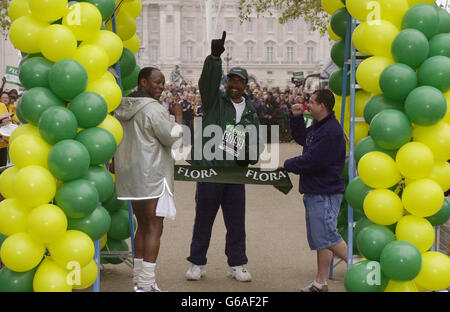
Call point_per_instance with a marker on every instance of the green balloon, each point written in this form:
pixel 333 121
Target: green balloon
pixel 444 20
pixel 34 72
pixel 120 225
pixel 77 198
pixel 362 277
pixel 123 205
pixel 106 7
pixel 100 144
pixel 102 180
pixel 400 261
pixel 372 240
pixel 410 47
pixel 435 72
pixel 422 17
pixel 68 160
pixel 131 81
pixel 355 194
pixel 11 281
pixel 89 108
pixel 125 93
pixel 425 106
pixel 390 129
pixel 112 203
pixel 344 172
pixel 367 145
pixel 336 80
pixel 26 57
pixel 440 45
pixel 19 112
pixel 441 216
pixel 96 225
pixel 361 224
pixel 397 81
pixel 343 215
pixel 68 78
pixel 338 53
pixel 115 245
pixel 339 22
pixel 343 231
pixel 57 123
pixel 35 101
pixel 379 103
pixel 127 63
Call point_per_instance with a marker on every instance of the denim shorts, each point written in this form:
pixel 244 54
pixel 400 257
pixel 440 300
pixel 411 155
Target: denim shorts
pixel 321 220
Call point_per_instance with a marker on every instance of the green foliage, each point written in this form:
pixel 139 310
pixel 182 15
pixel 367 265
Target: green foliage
pixel 309 10
pixel 4 19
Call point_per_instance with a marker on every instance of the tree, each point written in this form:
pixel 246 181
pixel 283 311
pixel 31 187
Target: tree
pixel 309 10
pixel 4 19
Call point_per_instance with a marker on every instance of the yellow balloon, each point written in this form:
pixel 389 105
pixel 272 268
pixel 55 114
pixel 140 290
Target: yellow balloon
pixel 84 19
pixel 113 126
pixel 330 6
pixel 383 207
pixel 88 276
pixel 29 150
pixel 21 253
pixel 338 107
pixel 94 59
pixel 440 173
pixel 133 44
pixel 361 98
pixel 358 39
pixel 423 197
pixel 416 230
pixel 414 160
pixel 436 137
pixel 35 186
pixel 14 215
pixel 23 129
pixel 369 72
pixel 414 2
pixel 110 42
pixel 109 90
pixel 435 271
pixel 46 223
pixel 6 182
pixel 103 241
pixel 48 10
pixel 50 277
pixel 358 9
pixel 107 75
pixel 378 170
pixel 18 8
pixel 25 33
pixel 394 11
pixel 378 37
pixel 126 25
pixel 394 286
pixel 134 7
pixel 420 288
pixel 57 43
pixel 447 114
pixel 72 246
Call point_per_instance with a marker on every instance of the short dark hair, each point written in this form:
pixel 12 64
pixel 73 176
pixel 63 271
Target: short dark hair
pixel 325 97
pixel 145 73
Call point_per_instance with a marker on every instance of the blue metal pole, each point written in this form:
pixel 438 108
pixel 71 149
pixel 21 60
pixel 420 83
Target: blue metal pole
pixel 97 260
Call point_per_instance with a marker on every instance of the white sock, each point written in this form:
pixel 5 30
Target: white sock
pixel 137 269
pixel 147 277
pixel 317 284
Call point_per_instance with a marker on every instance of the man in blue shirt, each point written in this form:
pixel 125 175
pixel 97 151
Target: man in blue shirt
pixel 320 168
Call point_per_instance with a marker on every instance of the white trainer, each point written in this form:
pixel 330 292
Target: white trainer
pixel 240 273
pixel 195 272
pixel 153 288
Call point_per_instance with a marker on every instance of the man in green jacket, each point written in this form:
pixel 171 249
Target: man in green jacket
pixel 238 145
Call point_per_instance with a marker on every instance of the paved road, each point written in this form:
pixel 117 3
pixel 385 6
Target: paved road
pixel 279 256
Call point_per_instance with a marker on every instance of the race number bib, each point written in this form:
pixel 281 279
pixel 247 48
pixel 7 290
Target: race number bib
pixel 233 140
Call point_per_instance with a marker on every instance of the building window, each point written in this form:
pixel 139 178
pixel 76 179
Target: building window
pixel 230 52
pixel 290 26
pixel 290 54
pixel 310 55
pixel 154 25
pixel 249 25
pixel 270 25
pixel 270 54
pixel 154 53
pixel 310 28
pixel 229 25
pixel 250 54
pixel 189 54
pixel 269 72
pixel 189 25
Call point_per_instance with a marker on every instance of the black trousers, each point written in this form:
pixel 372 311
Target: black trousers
pixel 3 156
pixel 209 197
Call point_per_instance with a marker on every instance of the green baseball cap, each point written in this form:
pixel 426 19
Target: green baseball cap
pixel 239 71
